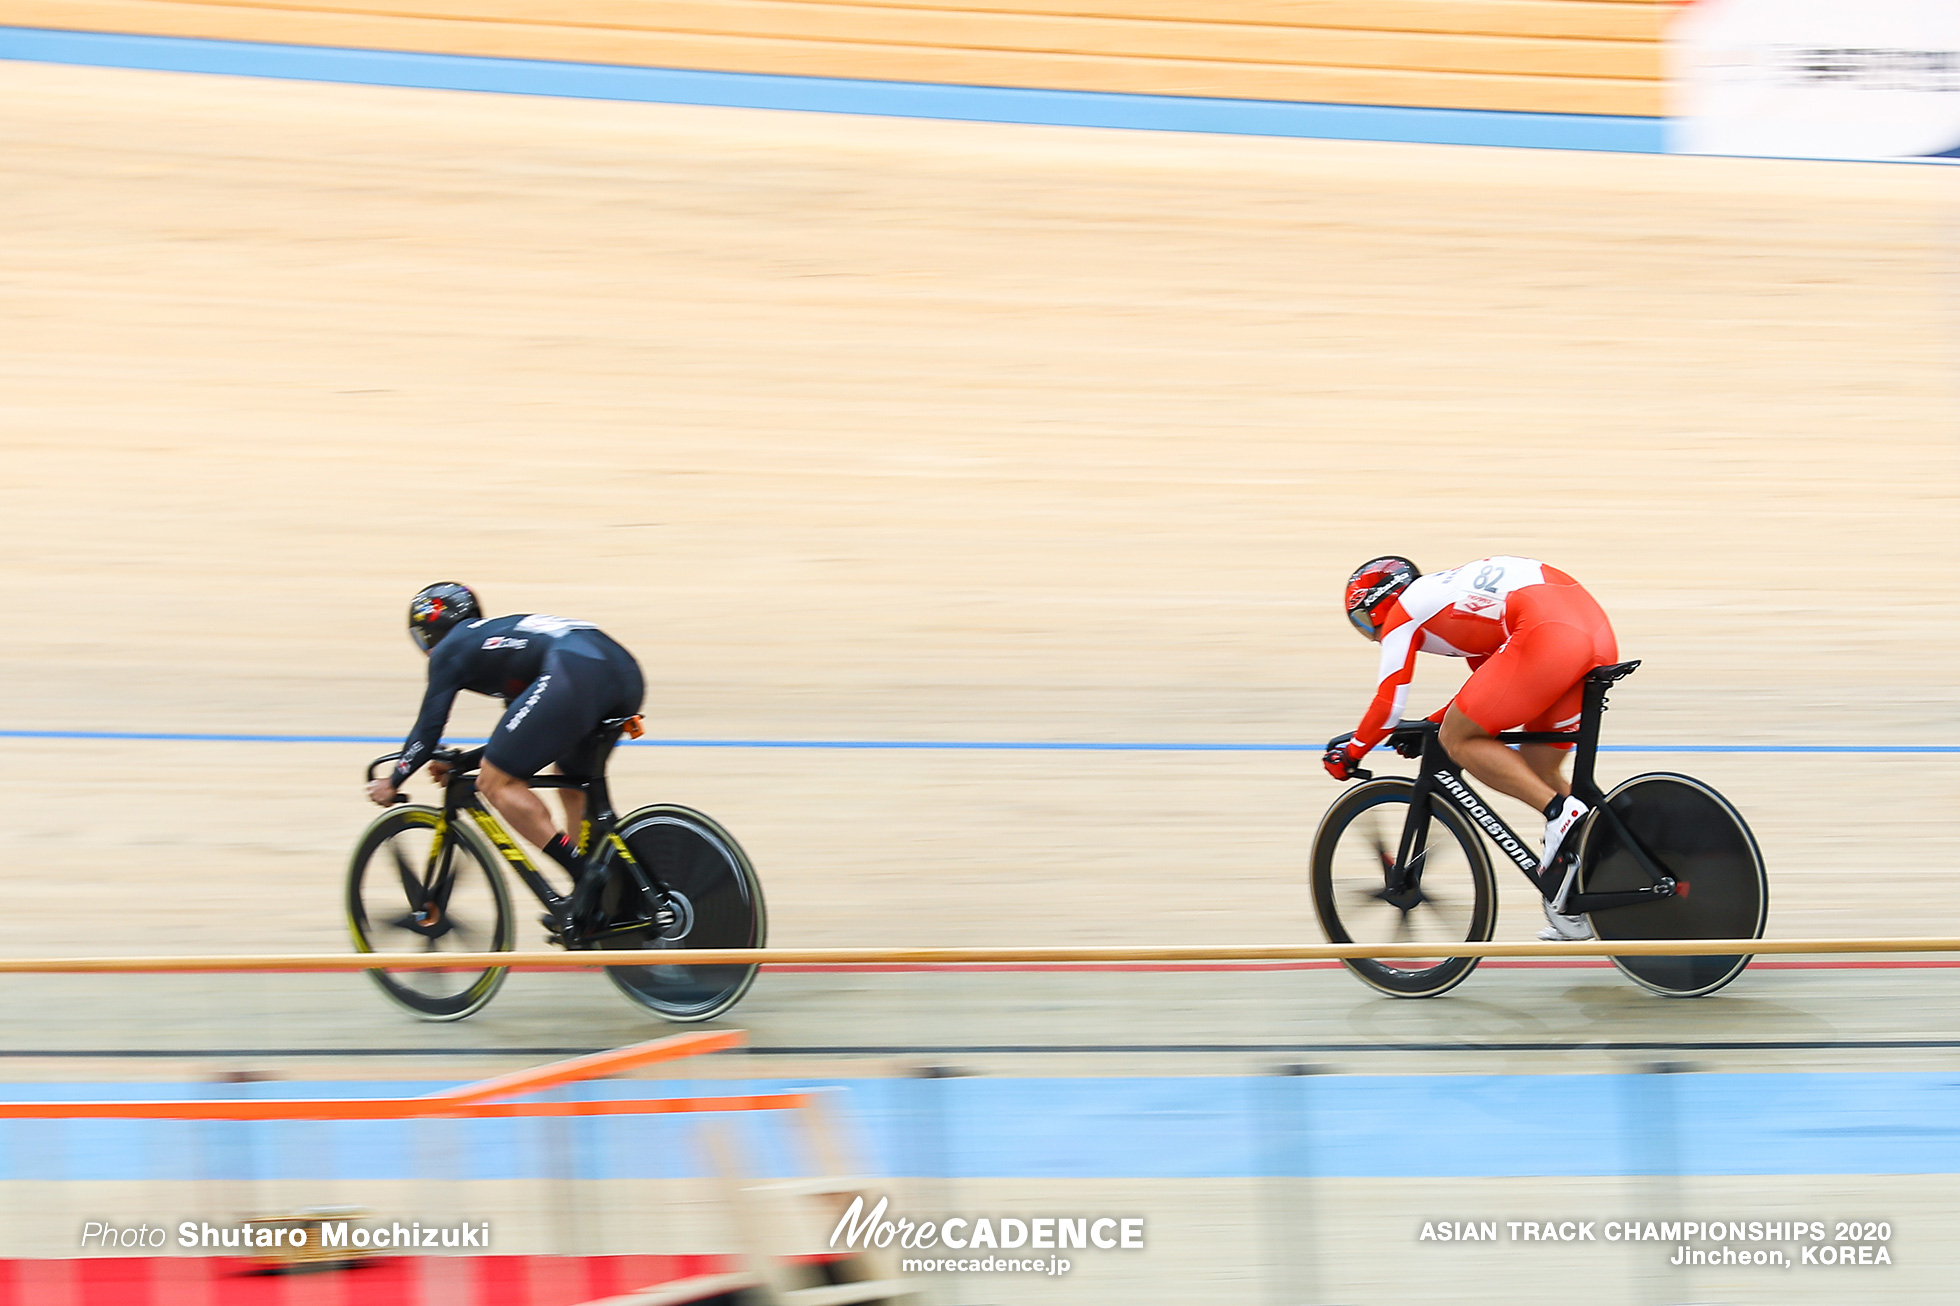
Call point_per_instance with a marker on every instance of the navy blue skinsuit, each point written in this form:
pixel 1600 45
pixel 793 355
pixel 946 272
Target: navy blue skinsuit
pixel 561 679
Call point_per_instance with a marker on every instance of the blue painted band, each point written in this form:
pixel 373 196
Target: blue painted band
pixel 1190 1127
pixel 1560 131
pixel 945 745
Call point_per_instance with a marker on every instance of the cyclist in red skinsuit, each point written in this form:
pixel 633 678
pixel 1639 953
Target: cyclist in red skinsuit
pixel 1530 632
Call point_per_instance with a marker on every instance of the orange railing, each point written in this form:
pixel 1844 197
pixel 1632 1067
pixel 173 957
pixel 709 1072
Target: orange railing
pixel 305 963
pixel 485 1098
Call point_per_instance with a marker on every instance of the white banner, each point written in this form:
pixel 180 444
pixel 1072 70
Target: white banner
pixel 1831 79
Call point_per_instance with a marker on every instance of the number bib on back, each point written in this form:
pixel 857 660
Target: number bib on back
pixel 1478 589
pixel 552 626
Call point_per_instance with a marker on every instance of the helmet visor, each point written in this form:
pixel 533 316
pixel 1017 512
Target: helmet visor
pixel 425 637
pixel 1364 622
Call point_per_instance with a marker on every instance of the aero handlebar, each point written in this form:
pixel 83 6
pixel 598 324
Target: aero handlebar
pixel 438 755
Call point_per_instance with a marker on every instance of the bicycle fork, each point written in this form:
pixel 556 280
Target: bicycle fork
pixel 1405 875
pixel 428 897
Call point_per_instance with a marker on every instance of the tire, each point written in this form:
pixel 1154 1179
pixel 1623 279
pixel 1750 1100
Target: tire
pixel 476 912
pixel 1456 892
pixel 1704 842
pixel 718 901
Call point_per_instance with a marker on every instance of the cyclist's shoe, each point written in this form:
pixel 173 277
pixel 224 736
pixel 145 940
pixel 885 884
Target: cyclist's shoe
pixel 1561 819
pixel 584 905
pixel 1564 929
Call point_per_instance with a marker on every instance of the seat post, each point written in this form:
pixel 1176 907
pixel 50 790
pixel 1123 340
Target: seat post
pixel 1592 707
pixel 603 740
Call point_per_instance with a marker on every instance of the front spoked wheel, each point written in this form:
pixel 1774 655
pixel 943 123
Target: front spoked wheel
pixel 713 898
pixel 412 887
pixel 1698 838
pixel 1449 895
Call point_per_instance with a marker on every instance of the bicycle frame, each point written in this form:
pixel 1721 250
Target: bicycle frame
pixel 1441 779
pixel 461 798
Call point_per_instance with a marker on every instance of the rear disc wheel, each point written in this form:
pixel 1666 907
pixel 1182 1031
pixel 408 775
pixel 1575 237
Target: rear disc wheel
pixel 716 902
pixel 1698 838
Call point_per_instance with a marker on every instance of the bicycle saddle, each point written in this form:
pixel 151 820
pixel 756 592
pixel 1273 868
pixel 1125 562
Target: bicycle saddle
pixel 1607 675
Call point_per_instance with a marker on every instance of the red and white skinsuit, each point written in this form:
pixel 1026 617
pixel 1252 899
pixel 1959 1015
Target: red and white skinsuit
pixel 1531 633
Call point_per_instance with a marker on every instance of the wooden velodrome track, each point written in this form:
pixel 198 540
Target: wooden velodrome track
pixel 872 429
pixel 881 430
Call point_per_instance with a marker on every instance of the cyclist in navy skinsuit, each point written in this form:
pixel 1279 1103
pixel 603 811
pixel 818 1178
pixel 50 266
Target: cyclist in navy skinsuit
pixel 560 678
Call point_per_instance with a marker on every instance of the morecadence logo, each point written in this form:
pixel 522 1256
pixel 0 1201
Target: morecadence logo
pixel 879 1228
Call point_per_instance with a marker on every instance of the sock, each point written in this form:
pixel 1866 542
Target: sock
pixel 1556 806
pixel 560 850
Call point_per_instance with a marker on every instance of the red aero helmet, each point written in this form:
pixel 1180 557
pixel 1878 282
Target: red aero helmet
pixel 1373 586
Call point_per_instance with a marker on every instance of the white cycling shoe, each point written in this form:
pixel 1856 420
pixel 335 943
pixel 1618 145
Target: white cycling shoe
pixel 1564 929
pixel 1558 827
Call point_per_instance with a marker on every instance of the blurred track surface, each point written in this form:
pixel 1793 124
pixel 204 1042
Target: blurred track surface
pixel 873 429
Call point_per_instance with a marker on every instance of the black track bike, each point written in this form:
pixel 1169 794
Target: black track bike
pixel 1663 856
pixel 428 879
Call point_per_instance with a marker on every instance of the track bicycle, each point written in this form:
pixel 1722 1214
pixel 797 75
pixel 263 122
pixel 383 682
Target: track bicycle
pixel 429 879
pixel 1662 856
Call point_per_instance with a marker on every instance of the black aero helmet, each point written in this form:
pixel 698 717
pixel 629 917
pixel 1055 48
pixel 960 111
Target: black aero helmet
pixel 436 609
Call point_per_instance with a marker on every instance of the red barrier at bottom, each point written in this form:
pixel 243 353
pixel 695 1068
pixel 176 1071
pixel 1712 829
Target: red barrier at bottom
pixel 382 1281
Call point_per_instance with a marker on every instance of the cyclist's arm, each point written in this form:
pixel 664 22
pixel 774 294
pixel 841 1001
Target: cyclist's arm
pixel 428 725
pixel 1398 667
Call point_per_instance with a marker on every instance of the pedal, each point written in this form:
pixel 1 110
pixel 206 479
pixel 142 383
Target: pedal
pixel 1568 860
pixel 582 906
pixel 554 930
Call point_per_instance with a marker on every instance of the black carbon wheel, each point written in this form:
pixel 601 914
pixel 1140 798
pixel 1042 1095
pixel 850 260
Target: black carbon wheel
pixel 1697 837
pixel 400 900
pixel 717 903
pixel 1451 897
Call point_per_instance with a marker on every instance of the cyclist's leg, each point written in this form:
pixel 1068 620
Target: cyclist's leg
pixel 612 680
pixel 1547 761
pixel 1523 681
pixel 1497 765
pixel 511 794
pixel 573 801
pixel 544 723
